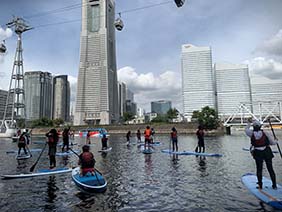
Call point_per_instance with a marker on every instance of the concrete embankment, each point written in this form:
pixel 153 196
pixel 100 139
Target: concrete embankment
pixel 182 128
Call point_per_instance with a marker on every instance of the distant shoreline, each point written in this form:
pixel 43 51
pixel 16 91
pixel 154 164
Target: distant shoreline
pixel 182 128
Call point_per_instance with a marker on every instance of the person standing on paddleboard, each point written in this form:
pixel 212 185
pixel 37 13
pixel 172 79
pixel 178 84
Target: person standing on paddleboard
pixel 65 139
pixel 261 150
pixel 174 140
pixel 86 161
pixel 104 141
pixel 128 135
pixel 147 135
pixel 22 142
pixel 88 137
pixel 201 143
pixel 138 135
pixel 53 138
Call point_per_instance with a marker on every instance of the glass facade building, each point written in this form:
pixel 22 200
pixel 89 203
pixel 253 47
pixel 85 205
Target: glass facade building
pixel 160 107
pixel 198 89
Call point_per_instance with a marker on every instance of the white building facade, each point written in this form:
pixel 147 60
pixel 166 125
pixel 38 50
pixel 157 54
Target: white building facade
pixel 97 89
pixel 198 89
pixel 233 88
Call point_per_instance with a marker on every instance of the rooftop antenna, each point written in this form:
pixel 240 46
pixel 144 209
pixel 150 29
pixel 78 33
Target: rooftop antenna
pixel 16 98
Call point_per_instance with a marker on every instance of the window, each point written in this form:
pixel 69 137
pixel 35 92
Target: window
pixel 94 18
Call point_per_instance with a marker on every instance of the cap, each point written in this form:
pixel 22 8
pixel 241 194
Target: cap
pixel 256 123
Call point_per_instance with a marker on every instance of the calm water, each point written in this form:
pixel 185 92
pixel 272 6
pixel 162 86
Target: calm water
pixel 138 182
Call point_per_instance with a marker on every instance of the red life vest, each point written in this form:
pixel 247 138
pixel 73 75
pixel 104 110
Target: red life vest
pixel 147 133
pixel 87 160
pixel 22 139
pixel 174 134
pixel 263 141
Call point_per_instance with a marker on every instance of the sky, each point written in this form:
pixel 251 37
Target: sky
pixel 149 46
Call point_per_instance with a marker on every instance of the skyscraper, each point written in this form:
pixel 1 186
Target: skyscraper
pixel 160 107
pixel 61 98
pixel 97 89
pixel 38 94
pixel 198 88
pixel 233 88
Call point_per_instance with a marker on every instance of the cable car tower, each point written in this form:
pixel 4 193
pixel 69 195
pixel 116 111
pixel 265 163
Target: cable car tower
pixel 15 98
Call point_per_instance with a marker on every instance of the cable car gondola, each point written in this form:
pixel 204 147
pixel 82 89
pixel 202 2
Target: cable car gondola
pixel 2 48
pixel 179 3
pixel 119 23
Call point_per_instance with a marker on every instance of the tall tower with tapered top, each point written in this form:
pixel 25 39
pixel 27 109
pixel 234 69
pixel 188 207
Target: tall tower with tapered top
pixel 97 90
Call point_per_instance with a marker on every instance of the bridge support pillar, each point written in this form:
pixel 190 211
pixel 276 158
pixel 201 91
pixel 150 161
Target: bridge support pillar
pixel 228 130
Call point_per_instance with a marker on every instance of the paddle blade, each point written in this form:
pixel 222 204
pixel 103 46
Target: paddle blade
pixel 32 168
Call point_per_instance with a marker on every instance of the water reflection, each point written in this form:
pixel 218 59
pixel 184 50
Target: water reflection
pixel 51 189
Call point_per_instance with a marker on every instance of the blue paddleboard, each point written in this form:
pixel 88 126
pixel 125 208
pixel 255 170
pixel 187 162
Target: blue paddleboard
pixel 192 153
pixel 147 151
pixel 267 194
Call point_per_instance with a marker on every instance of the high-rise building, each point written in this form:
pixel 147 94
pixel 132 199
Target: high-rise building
pixel 129 95
pixel 3 101
pixel 160 107
pixel 198 89
pixel 121 98
pixel 233 88
pixel 97 89
pixel 61 98
pixel 266 98
pixel 38 94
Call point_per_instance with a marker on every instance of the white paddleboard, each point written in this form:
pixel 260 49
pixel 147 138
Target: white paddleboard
pixel 23 156
pixel 192 153
pixel 267 194
pixel 105 150
pixel 248 149
pixel 38 173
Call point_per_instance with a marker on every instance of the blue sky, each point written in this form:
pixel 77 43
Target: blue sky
pixel 149 47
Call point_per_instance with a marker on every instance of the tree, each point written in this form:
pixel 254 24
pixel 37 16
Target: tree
pixel 160 118
pixel 43 122
pixel 58 121
pixel 127 116
pixel 172 114
pixel 207 117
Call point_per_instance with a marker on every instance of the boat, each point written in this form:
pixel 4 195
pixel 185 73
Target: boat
pixel 89 183
pixel 41 172
pixel 94 132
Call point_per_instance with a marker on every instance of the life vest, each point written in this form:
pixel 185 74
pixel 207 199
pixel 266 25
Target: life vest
pixel 104 140
pixel 147 133
pixel 174 134
pixel 51 139
pixel 200 133
pixel 87 160
pixel 22 139
pixel 263 141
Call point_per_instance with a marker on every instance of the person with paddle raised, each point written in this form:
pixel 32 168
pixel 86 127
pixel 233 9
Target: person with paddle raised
pixel 261 151
pixel 86 161
pixel 53 138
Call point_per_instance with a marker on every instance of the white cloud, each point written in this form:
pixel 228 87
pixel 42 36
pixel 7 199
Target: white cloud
pixel 273 45
pixel 147 87
pixel 4 34
pixel 266 69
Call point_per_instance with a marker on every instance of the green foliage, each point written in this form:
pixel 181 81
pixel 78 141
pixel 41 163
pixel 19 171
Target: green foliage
pixel 58 122
pixel 207 117
pixel 160 118
pixel 43 122
pixel 172 114
pixel 21 123
pixel 127 116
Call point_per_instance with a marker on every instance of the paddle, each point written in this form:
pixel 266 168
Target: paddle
pixel 28 150
pixel 33 166
pixel 94 170
pixel 275 137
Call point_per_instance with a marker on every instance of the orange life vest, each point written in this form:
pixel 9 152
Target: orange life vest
pixel 147 133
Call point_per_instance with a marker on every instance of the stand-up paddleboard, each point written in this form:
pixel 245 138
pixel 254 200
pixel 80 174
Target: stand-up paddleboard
pixel 16 151
pixel 192 153
pixel 39 142
pixel 66 153
pixel 147 151
pixel 267 194
pixel 38 173
pixel 105 150
pixel 90 182
pixel 70 144
pixel 248 149
pixel 156 143
pixel 23 156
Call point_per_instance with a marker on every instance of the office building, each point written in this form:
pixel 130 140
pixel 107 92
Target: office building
pixel 121 98
pixel 160 107
pixel 267 97
pixel 233 88
pixel 3 100
pixel 38 94
pixel 61 98
pixel 97 89
pixel 198 89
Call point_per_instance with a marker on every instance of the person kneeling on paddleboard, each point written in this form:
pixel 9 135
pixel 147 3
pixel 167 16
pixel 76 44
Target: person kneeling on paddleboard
pixel 261 151
pixel 86 161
